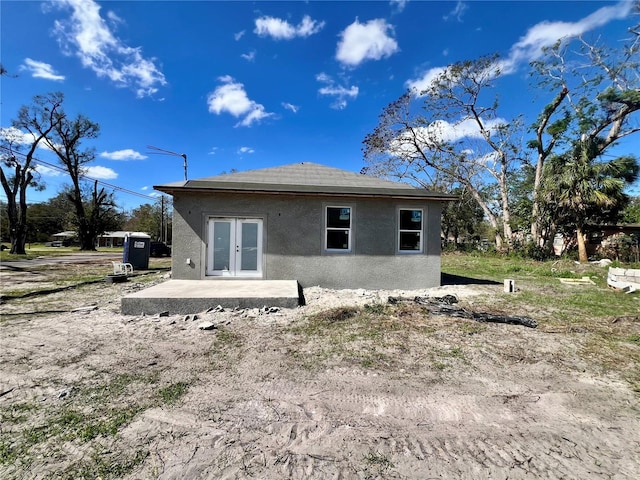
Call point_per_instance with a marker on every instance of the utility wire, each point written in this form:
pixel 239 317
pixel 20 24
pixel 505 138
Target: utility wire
pixel 84 176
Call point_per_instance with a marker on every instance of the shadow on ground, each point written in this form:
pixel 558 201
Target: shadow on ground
pixel 449 279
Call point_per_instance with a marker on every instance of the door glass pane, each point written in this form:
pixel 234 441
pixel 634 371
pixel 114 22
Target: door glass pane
pixel 249 246
pixel 221 245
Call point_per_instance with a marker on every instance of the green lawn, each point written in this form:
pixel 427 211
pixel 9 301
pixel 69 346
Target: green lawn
pixel 39 249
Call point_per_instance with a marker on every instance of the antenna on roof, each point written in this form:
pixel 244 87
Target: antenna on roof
pixel 160 151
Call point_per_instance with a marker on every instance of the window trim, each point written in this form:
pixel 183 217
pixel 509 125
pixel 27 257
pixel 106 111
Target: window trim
pixel 421 231
pixel 348 230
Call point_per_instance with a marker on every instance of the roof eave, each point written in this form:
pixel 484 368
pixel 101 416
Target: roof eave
pixel 314 191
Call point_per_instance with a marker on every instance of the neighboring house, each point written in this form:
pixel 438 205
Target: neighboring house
pixel 604 240
pixel 611 241
pixel 116 239
pixel 307 222
pixel 65 239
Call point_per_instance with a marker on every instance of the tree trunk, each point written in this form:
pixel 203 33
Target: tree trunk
pixel 493 221
pixel 543 153
pixel 582 246
pixel 17 214
pixel 506 215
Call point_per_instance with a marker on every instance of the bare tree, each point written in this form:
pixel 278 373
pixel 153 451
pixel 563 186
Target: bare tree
pixel 65 140
pixel 456 134
pixel 38 120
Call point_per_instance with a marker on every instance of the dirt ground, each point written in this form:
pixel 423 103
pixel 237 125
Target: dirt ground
pixel 387 393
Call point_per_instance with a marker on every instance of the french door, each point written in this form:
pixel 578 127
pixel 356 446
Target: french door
pixel 234 247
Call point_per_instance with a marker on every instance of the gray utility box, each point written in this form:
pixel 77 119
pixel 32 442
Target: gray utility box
pixel 136 251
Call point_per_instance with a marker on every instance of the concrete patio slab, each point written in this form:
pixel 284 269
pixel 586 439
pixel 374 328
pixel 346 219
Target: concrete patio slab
pixel 193 296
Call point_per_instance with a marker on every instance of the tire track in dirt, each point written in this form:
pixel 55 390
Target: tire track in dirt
pixel 281 433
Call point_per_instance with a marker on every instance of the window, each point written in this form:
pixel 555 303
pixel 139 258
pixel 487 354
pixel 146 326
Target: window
pixel 338 232
pixel 410 231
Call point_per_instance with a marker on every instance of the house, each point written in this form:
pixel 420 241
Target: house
pixel 616 242
pixel 116 239
pixel 63 239
pixel 306 222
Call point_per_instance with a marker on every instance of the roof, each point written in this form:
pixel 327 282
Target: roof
pixel 122 234
pixel 304 178
pixel 66 234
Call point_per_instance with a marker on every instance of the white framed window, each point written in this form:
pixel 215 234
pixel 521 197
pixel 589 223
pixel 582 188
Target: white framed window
pixel 338 221
pixel 410 230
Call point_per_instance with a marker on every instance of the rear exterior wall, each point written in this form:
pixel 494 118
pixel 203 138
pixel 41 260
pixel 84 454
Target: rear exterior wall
pixel 293 240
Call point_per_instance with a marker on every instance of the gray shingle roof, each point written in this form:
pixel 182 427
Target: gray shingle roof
pixel 302 178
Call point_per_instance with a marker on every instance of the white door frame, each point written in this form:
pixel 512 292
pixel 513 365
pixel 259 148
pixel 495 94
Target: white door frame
pixel 233 248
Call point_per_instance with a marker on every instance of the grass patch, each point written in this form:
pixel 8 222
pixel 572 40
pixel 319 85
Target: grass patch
pixel 371 337
pixel 104 464
pixel 377 458
pixel 171 394
pixel 87 416
pixel 377 465
pixel 17 413
pixel 609 319
pixel 635 339
pixel 226 350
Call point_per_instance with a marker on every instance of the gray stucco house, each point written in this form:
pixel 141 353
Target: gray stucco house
pixel 306 222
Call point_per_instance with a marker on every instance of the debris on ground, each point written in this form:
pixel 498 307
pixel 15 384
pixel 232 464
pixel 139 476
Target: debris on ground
pixel 577 281
pixel 444 306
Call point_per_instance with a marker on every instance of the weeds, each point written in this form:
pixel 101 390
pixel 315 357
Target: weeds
pixel 172 393
pixel 378 462
pixel 377 458
pixel 104 464
pixel 84 419
pixel 371 336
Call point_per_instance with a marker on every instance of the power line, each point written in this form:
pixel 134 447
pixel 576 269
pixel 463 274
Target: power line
pixel 84 176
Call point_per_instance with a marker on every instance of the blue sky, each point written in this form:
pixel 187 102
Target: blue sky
pixel 244 85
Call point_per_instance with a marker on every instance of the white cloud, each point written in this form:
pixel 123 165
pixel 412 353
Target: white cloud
pixel 126 154
pixel 16 136
pixel 231 97
pixel 398 5
pixel 290 106
pixel 366 41
pixel 249 57
pixel 541 35
pixel 88 36
pixel 468 128
pixel 279 29
pixel 243 150
pixel 239 35
pixel 100 173
pixel 457 12
pixel 341 93
pixel 145 188
pixel 41 70
pixel 420 84
pixel 47 171
pixel 545 34
pixel 442 131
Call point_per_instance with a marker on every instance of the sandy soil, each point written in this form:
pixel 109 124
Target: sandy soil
pixel 265 395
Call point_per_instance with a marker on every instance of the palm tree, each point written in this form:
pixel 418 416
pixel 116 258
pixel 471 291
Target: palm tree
pixel 584 187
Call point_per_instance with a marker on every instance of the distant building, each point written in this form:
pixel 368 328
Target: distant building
pixel 116 239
